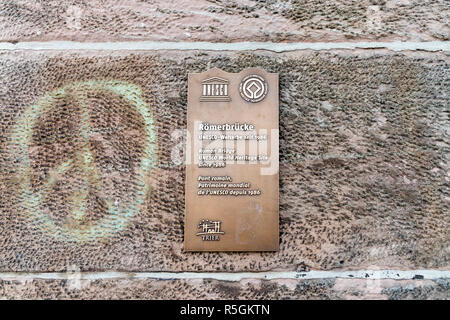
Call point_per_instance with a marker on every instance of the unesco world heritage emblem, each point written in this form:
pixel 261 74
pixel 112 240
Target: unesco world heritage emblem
pixel 253 88
pixel 210 230
pixel 215 89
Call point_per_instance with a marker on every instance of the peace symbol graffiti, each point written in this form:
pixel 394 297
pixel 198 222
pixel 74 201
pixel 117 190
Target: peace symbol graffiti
pixel 115 216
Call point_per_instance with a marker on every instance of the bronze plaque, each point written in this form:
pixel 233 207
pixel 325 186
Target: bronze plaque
pixel 232 161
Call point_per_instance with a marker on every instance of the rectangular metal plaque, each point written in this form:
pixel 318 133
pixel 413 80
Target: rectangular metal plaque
pixel 232 161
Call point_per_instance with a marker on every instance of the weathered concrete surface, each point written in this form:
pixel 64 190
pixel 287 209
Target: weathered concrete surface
pixel 363 151
pixel 219 20
pixel 214 289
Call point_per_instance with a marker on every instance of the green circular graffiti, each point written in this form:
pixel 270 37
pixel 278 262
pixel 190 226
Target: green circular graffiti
pixel 117 216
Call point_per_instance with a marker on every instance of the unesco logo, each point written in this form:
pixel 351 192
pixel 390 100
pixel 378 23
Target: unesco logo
pixel 253 88
pixel 215 89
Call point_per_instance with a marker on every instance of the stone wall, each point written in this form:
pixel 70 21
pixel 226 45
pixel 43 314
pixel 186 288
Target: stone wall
pixel 364 153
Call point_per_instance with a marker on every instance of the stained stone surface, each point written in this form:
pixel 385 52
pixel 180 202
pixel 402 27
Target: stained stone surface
pixel 214 289
pixel 363 174
pixel 224 21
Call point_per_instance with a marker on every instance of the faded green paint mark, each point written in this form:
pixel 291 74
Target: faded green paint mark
pixel 75 227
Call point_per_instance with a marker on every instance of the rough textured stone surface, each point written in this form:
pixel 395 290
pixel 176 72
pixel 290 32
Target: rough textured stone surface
pixel 363 151
pixel 220 20
pixel 214 289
